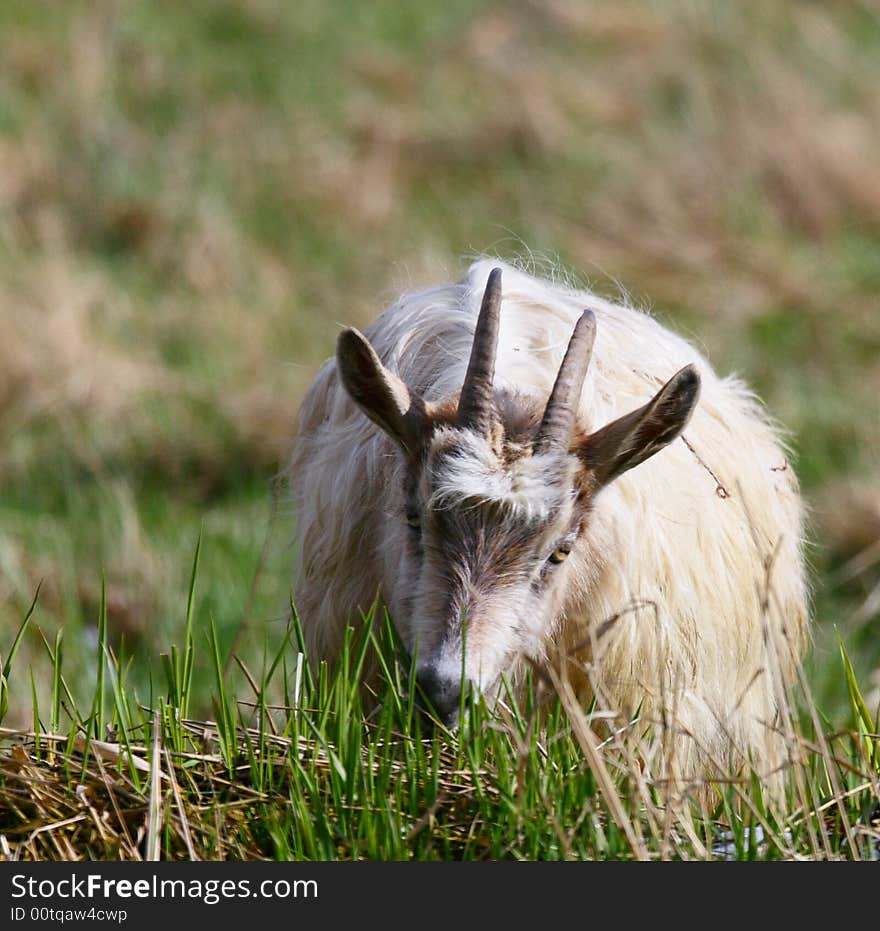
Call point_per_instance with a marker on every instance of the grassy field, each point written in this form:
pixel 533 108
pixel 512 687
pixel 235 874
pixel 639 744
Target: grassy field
pixel 194 197
pixel 324 776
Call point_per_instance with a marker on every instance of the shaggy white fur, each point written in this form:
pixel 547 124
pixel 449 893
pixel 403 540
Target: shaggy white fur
pixel 527 490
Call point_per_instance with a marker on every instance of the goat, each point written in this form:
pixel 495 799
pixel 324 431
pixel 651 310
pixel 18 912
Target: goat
pixel 465 459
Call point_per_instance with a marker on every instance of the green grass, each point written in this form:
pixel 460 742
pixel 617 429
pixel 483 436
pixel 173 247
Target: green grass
pixel 331 772
pixel 194 197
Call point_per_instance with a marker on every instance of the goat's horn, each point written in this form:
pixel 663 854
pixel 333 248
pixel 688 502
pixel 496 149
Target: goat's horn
pixel 559 416
pixel 476 406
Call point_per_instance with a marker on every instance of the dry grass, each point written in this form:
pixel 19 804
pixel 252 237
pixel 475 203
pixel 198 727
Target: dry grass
pixel 715 161
pixel 64 797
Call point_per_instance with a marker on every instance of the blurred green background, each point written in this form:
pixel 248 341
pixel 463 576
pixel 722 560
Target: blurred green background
pixel 193 198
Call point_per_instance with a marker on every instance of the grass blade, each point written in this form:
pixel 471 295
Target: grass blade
pixel 6 667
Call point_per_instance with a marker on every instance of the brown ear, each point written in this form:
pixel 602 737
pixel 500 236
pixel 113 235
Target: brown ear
pixel 379 393
pixel 635 437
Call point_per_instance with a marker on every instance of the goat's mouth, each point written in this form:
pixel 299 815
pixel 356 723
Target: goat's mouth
pixel 441 697
pixel 443 689
pixel 445 699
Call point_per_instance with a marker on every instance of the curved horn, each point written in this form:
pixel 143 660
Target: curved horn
pixel 476 406
pixel 559 416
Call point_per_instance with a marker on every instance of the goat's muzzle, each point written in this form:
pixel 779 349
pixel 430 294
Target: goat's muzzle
pixel 443 694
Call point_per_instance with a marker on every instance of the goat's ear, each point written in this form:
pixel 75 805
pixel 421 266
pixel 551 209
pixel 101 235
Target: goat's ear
pixel 379 393
pixel 635 437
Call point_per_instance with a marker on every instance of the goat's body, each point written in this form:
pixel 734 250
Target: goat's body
pixel 698 550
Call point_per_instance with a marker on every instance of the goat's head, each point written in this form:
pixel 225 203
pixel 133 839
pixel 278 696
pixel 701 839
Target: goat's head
pixel 497 495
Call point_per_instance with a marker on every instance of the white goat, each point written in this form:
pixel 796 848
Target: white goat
pixel 484 513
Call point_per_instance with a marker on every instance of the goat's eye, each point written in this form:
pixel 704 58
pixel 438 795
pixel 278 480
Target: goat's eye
pixel 413 520
pixel 560 553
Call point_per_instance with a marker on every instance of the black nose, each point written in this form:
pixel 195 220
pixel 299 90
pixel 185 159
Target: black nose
pixel 443 693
